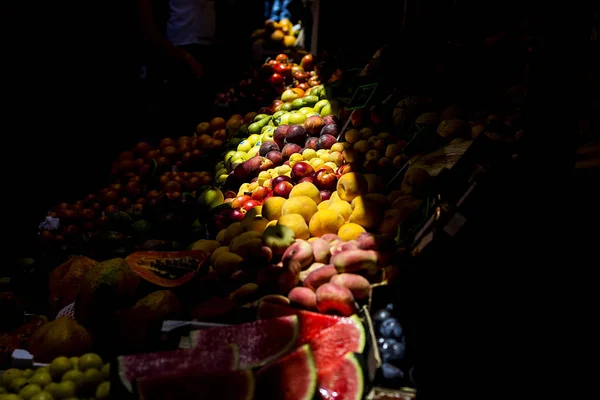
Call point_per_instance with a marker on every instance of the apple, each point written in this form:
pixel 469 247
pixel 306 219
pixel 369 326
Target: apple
pixel 301 77
pixel 280 134
pixel 311 143
pixel 326 141
pixel 282 58
pixel 275 157
pixel 236 215
pixel 344 169
pixel 265 164
pixel 313 125
pixel 308 179
pixel 326 167
pixel 268 184
pixel 285 70
pixel 331 119
pixel 267 135
pixel 336 157
pixel 290 149
pixel 275 104
pixel 266 147
pixel 304 86
pixel 308 62
pixel 283 189
pixel 278 238
pixel 325 179
pixel 330 129
pixel 325 194
pixel 251 204
pixel 301 170
pixel 240 200
pixel 296 134
pixel 276 80
pixel 265 110
pixel 266 70
pixel 260 193
pixel 281 178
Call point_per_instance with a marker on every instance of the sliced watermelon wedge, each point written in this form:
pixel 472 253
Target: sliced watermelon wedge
pixel 311 323
pixel 292 377
pixel 333 343
pixel 233 385
pixel 259 342
pixel 216 359
pixel 344 381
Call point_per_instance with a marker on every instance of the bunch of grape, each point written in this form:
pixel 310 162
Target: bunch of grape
pixel 391 342
pixel 82 377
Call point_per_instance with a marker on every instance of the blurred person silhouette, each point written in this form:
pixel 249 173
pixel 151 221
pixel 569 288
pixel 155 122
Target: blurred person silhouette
pixel 179 44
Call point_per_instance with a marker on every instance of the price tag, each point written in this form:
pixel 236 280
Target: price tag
pixel 362 95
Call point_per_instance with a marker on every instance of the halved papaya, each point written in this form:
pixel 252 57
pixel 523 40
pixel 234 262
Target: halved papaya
pixel 168 268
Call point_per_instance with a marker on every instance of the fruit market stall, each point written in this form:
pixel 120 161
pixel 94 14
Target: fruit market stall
pixel 258 257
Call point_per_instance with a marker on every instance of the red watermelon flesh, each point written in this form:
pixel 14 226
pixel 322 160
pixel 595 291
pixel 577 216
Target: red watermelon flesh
pixel 216 359
pixel 292 377
pixel 344 381
pixel 260 342
pixel 334 342
pixel 233 385
pixel 311 323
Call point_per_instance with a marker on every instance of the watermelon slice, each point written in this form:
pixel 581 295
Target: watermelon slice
pixel 344 381
pixel 333 343
pixel 233 385
pixel 217 359
pixel 260 342
pixel 311 323
pixel 293 377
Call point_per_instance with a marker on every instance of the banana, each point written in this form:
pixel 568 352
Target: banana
pixel 355 260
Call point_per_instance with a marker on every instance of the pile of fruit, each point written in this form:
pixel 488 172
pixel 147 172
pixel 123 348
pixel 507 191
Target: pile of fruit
pixel 276 35
pixel 64 378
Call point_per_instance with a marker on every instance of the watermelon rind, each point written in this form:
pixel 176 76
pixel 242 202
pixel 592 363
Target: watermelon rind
pixel 221 336
pixel 191 354
pixel 349 370
pixel 300 358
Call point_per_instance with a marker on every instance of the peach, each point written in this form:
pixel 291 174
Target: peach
pixel 313 267
pixel 351 136
pixel 302 205
pixel 375 183
pixel 342 207
pixel 325 221
pixel 355 260
pixel 306 189
pixel 296 223
pixel 362 146
pixel 320 276
pixel 324 205
pixel 288 278
pixel 300 251
pixel 320 250
pixel 366 212
pixel 334 196
pixel 350 231
pixel 335 299
pixel 339 246
pixel 330 237
pixel 303 297
pixel 351 185
pixel 358 285
pixel 272 208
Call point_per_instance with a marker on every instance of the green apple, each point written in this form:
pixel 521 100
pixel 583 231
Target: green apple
pixel 278 238
pixel 267 136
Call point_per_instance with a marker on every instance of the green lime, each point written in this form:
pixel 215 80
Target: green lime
pixel 90 360
pixel 103 390
pixel 41 379
pixel 43 395
pixel 59 366
pixel 64 390
pixel 75 361
pixel 10 396
pixel 106 371
pixel 27 373
pixel 74 376
pixel 92 377
pixel 17 384
pixel 28 391
pixel 9 375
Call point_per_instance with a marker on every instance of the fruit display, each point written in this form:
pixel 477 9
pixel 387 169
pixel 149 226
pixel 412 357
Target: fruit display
pixel 277 35
pixel 86 376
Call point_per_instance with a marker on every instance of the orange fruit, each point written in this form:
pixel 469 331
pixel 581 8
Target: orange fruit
pixel 277 35
pixel 289 41
pixel 217 123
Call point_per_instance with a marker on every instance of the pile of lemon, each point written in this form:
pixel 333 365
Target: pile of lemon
pixel 64 378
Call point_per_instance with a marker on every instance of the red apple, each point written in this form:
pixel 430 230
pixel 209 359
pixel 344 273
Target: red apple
pixel 326 141
pixel 275 157
pixel 240 200
pixel 313 125
pixel 311 143
pixel 283 189
pixel 267 147
pixel 308 179
pixel 325 179
pixel 307 62
pixel 237 215
pixel 276 80
pixel 301 170
pixel 290 149
pixel 280 134
pixel 344 169
pixel 260 193
pixel 280 178
pixel 274 105
pixel 251 204
pixel 326 167
pixel 325 194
